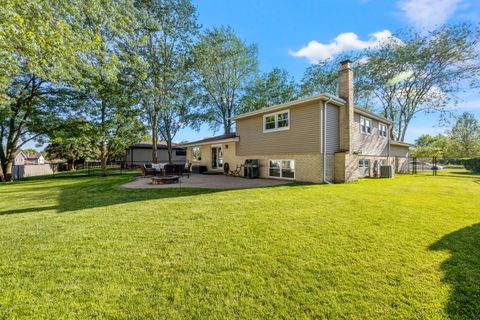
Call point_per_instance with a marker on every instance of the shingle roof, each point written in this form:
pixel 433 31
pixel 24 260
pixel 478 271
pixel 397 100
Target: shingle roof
pixel 213 139
pixel 31 156
pixel 148 145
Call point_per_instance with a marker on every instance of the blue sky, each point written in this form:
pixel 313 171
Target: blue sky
pixel 280 28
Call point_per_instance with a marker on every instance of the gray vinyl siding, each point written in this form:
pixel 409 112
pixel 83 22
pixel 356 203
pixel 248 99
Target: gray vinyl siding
pixel 333 122
pixel 368 144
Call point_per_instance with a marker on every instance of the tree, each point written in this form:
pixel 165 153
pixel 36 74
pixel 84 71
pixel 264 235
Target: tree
pixel 224 64
pixel 425 140
pixel 429 146
pixel 30 151
pixel 416 73
pixel 74 142
pixel 268 89
pixel 162 49
pixel 323 78
pixel 465 135
pixel 40 48
pixel 107 97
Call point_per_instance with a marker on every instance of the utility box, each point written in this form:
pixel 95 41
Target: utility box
pixel 386 171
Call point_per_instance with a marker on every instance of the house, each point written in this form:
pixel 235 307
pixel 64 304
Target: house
pixel 141 153
pixel 22 158
pixel 322 138
pixel 30 165
pixel 19 158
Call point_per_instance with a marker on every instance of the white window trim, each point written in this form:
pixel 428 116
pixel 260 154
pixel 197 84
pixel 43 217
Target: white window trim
pixel 380 130
pixel 276 121
pixel 363 162
pixel 371 125
pixel 282 178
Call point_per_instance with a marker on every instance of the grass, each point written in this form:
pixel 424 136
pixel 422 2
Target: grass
pixel 81 247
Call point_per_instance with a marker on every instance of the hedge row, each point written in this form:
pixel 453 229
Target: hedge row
pixel 472 164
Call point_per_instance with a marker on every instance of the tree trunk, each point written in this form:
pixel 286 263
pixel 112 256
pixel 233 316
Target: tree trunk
pixel 154 140
pixel 3 162
pixel 227 126
pixel 103 159
pixel 7 169
pixel 103 146
pixel 169 150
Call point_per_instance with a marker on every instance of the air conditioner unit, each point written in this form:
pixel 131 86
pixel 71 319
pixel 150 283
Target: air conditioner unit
pixel 386 171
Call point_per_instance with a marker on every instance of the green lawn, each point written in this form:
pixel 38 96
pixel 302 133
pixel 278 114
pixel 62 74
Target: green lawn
pixel 81 247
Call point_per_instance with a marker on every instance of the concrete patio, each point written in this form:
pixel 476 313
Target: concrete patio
pixel 206 181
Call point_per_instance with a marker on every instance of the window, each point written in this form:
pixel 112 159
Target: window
pixel 276 121
pixel 196 153
pixel 281 169
pixel 270 123
pixel 382 130
pixel 364 163
pixel 180 152
pixel 365 125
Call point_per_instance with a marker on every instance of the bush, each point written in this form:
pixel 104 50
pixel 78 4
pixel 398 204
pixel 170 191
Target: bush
pixel 472 164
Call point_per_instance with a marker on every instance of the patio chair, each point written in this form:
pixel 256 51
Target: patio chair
pixel 174 169
pixel 237 171
pixel 148 170
pixel 234 173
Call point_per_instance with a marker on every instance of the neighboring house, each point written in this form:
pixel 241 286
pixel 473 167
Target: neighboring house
pixel 19 159
pixel 141 153
pixel 323 138
pixel 22 158
pixel 35 159
pixel 29 165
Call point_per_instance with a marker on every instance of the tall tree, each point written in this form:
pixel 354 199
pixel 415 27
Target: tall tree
pixel 44 43
pixel 465 135
pixel 162 49
pixel 268 89
pixel 224 64
pixel 108 100
pixel 415 73
pixel 41 45
pixel 323 78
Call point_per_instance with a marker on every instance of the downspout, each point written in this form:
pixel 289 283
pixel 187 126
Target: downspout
pixel 324 142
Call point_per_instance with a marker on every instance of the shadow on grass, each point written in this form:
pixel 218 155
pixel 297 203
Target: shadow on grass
pixel 462 271
pixel 79 192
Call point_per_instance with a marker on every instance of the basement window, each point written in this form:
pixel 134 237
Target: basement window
pixel 276 121
pixel 365 125
pixel 364 163
pixel 284 169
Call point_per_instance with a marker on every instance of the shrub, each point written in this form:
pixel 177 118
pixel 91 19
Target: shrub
pixel 472 164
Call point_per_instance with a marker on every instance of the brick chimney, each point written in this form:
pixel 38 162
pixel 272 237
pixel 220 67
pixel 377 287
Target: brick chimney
pixel 345 91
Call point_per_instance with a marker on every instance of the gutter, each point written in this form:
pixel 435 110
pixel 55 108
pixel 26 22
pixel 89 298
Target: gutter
pixel 324 140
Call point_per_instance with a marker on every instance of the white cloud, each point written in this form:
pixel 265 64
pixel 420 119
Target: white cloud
pixel 427 14
pixel 316 51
